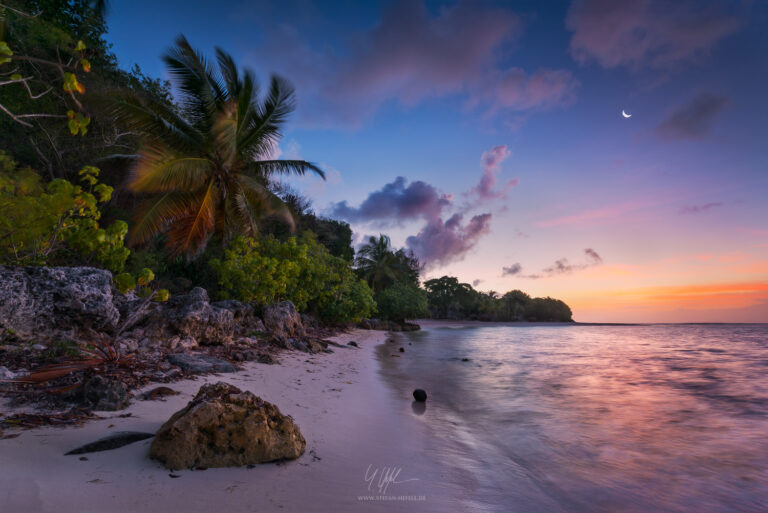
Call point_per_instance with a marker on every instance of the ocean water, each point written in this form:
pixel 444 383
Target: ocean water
pixel 569 418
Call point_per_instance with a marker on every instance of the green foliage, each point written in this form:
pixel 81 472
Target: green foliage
pixel 124 282
pixel 379 265
pixel 335 235
pixel 449 299
pixel 59 51
pixel 547 309
pixel 56 222
pixel 301 270
pixel 402 301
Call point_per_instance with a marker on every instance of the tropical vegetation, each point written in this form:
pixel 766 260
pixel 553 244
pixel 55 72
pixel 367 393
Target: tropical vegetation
pixel 101 155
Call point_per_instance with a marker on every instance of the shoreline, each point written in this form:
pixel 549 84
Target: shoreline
pixel 352 421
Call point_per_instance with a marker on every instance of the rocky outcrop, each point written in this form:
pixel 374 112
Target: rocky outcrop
pixel 382 325
pixel 224 427
pixel 200 363
pixel 282 320
pixel 182 322
pixel 55 303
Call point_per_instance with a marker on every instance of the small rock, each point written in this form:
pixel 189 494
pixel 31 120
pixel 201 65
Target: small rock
pixel 83 458
pixel 157 393
pixel 402 350
pixel 420 395
pixel 352 343
pixel 39 347
pixel 267 359
pixel 200 363
pixel 465 359
pixel 6 374
pixel 106 394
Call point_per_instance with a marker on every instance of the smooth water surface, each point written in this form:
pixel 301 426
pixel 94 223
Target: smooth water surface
pixel 569 418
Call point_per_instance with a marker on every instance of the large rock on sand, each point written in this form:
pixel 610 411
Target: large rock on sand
pixel 283 320
pixel 55 303
pixel 225 427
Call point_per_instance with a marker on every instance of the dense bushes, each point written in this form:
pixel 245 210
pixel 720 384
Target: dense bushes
pixel 301 270
pixel 402 301
pixel 57 222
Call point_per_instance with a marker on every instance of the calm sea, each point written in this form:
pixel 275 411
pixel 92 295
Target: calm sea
pixel 654 418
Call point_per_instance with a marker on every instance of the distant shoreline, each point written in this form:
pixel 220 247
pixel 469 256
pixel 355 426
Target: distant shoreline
pixel 450 323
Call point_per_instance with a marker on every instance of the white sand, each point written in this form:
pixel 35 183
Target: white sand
pixel 350 418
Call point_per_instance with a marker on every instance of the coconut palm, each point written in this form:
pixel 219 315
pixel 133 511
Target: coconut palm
pixel 382 267
pixel 205 165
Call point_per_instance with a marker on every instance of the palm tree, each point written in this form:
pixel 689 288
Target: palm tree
pixel 382 267
pixel 206 166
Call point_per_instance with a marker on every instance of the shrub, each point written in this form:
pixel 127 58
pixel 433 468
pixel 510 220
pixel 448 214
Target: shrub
pixel 402 301
pixel 57 222
pixel 266 271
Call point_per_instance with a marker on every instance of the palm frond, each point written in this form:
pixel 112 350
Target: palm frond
pixel 189 232
pixel 298 167
pixel 154 215
pixel 263 133
pixel 157 170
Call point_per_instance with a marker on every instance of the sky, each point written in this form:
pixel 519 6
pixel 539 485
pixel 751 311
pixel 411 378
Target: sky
pixel 489 139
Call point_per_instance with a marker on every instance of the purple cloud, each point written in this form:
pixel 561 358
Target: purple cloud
pixel 697 209
pixel 412 55
pixel 647 33
pixel 694 119
pixel 561 266
pixel 396 201
pixel 486 188
pixel 475 283
pixel 440 243
pixel 511 270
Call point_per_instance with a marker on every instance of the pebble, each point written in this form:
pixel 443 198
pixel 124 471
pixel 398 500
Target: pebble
pixel 420 395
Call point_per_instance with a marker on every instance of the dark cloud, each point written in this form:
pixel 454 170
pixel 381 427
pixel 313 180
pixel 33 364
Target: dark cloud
pixel 412 55
pixel 593 256
pixel 511 270
pixel 563 266
pixel 475 283
pixel 647 33
pixel 396 201
pixel 694 119
pixel 440 243
pixel 697 209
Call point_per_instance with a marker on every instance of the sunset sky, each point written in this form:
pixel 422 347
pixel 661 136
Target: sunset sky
pixel 488 137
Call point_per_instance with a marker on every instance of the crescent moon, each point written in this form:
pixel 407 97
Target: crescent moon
pixel 625 114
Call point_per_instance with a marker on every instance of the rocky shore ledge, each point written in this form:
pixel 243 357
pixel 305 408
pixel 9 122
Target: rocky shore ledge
pixel 72 345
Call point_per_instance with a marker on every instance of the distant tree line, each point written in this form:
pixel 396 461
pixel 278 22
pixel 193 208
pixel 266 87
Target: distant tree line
pixel 447 298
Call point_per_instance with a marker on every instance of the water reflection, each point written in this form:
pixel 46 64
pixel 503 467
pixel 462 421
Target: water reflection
pixel 600 419
pixel 419 407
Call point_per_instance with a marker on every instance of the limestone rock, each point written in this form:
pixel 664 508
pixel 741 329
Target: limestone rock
pixel 106 394
pixel 283 320
pixel 183 321
pixel 200 363
pixel 224 427
pixel 55 303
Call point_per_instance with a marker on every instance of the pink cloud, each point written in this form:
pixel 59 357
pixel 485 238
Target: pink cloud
pixel 440 243
pixel 647 33
pixel 486 187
